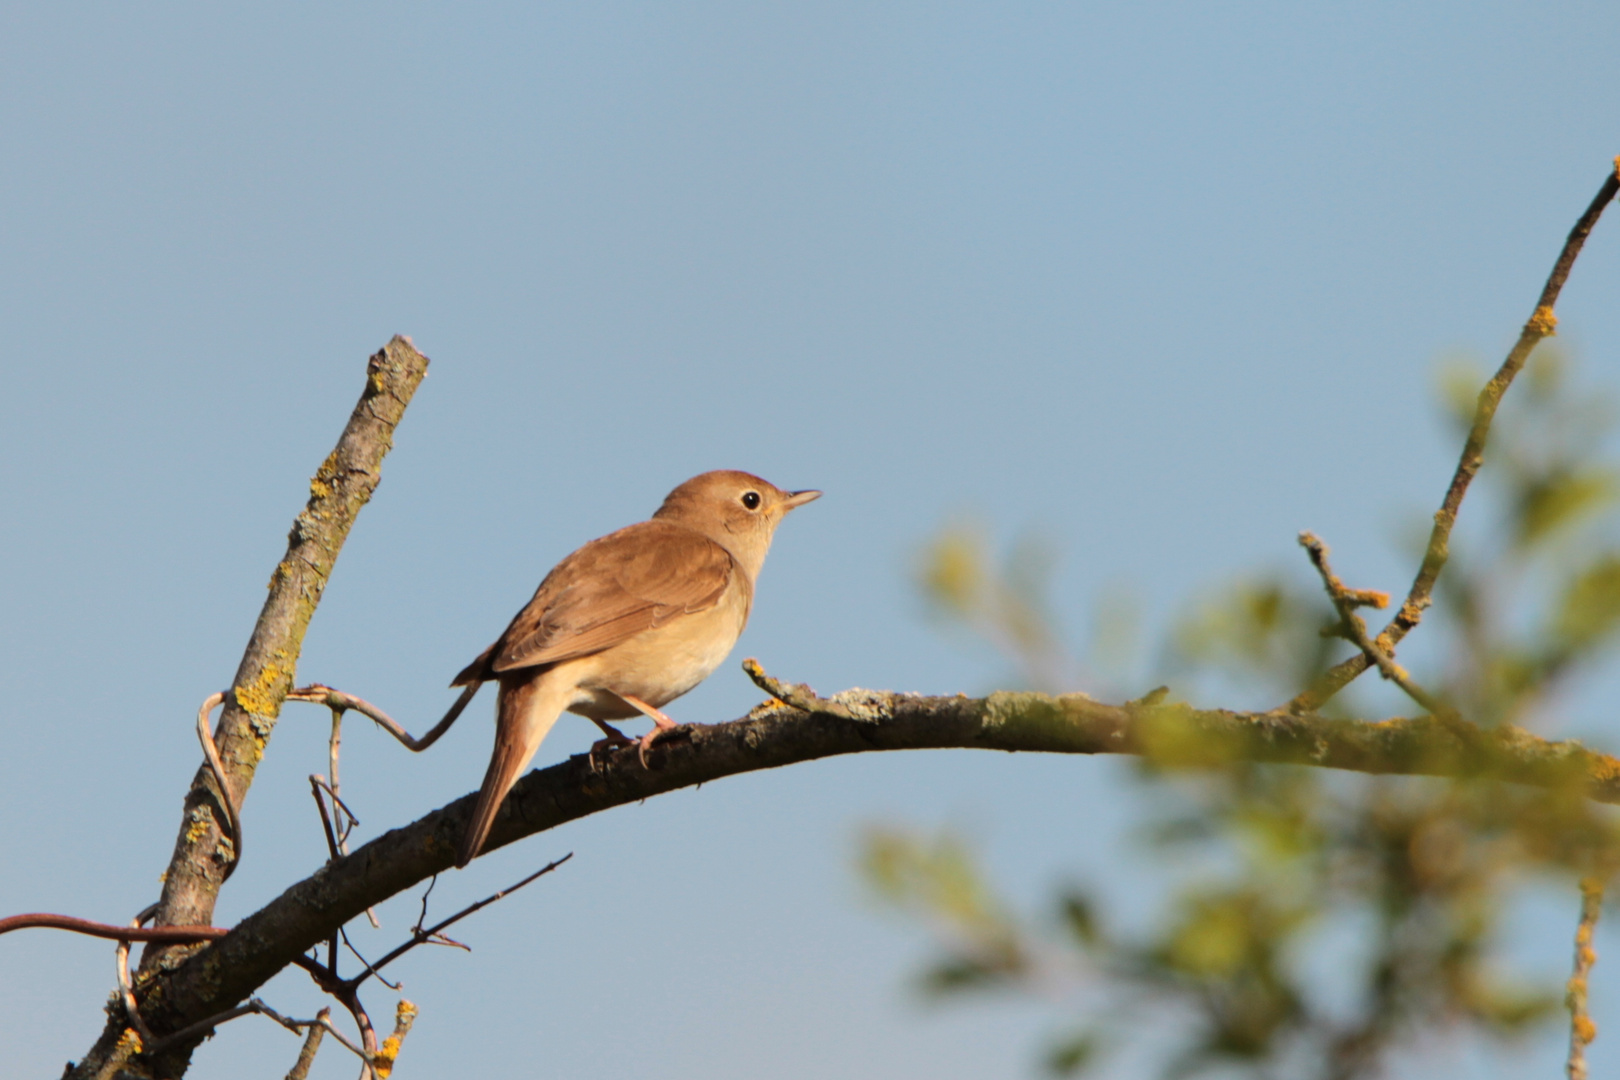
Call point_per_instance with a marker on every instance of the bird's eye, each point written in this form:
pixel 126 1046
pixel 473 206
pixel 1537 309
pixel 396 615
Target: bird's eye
pixel 750 499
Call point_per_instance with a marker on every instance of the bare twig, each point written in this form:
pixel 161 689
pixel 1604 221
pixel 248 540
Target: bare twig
pixel 126 989
pixel 311 1047
pixel 338 701
pixel 316 786
pixel 1581 1028
pixel 1345 601
pixel 420 936
pixel 168 935
pixel 349 997
pixel 337 831
pixel 227 802
pixel 333 745
pixel 1541 324
pixel 347 944
pixel 252 1007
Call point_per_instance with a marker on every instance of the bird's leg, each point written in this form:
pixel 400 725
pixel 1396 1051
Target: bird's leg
pixel 615 737
pixel 663 723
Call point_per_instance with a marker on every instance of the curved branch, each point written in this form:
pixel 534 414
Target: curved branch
pixel 172 935
pixel 227 971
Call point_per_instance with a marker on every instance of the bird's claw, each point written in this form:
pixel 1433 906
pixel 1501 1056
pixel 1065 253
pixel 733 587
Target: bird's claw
pixel 602 744
pixel 644 743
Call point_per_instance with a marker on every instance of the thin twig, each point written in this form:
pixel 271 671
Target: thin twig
pixel 348 821
pixel 338 701
pixel 254 1006
pixel 1345 601
pixel 168 935
pixel 420 936
pixel 1541 324
pixel 233 819
pixel 347 944
pixel 348 826
pixel 311 1047
pixel 126 987
pixel 316 784
pixel 1581 1029
pixel 333 745
pixel 337 833
pixel 349 997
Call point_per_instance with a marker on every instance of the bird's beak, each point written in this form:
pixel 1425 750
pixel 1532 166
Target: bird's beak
pixel 799 498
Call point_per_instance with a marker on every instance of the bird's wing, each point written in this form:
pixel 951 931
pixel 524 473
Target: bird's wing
pixel 612 589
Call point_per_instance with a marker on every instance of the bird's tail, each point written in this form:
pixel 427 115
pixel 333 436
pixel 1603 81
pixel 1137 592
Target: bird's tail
pixel 524 714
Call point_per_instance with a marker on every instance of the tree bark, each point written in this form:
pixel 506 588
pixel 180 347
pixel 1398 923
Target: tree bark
pixel 222 973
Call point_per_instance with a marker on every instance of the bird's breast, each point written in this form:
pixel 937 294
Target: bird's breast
pixel 660 664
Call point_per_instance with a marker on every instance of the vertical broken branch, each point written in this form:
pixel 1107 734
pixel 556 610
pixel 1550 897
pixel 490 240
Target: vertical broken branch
pixel 340 487
pixel 203 852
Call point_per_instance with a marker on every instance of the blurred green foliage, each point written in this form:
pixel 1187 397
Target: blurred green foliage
pixel 1268 868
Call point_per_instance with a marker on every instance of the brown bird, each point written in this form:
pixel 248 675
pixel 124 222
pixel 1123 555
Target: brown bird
pixel 627 624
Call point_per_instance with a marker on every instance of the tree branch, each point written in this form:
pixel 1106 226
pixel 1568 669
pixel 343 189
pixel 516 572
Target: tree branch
pixel 1541 324
pixel 227 971
pixel 1581 1029
pixel 203 853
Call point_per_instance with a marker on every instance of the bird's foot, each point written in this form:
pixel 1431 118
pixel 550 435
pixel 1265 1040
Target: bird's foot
pixel 615 739
pixel 663 723
pixel 644 744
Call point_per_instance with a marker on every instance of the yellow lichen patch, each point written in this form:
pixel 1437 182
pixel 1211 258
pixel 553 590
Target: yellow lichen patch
pixel 1605 769
pixel 1543 322
pixel 328 469
pixel 382 1062
pixel 195 831
pixel 129 1042
pixel 320 485
pixel 259 697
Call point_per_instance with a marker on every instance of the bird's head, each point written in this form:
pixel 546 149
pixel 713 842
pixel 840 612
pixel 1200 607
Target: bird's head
pixel 737 510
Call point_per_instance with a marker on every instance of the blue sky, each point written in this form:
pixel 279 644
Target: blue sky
pixel 1166 282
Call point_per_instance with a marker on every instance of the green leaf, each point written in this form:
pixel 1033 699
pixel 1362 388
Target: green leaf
pixel 958 974
pixel 1562 499
pixel 1590 608
pixel 1080 919
pixel 1072 1055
